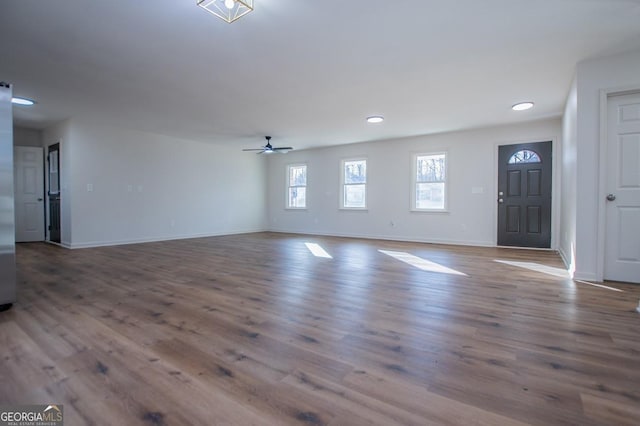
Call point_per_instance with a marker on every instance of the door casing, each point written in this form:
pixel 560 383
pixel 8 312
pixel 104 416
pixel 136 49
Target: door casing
pixel 605 94
pixel 555 191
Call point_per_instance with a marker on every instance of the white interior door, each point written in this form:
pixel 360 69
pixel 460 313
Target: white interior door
pixel 29 193
pixel 622 245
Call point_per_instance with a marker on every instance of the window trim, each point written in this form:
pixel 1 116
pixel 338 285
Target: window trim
pixel 287 186
pixel 513 156
pixel 414 182
pixel 342 184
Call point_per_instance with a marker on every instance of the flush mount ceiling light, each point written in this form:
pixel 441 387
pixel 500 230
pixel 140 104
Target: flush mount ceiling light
pixel 522 106
pixel 22 101
pixel 375 119
pixel 227 10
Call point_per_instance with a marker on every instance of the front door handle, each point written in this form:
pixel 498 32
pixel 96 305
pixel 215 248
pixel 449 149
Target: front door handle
pixel 39 199
pixel 611 197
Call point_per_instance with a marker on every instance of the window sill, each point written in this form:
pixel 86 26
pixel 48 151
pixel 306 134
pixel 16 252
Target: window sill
pixel 354 209
pixel 429 211
pixel 298 209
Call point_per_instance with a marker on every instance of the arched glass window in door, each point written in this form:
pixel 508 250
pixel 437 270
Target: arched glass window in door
pixel 524 156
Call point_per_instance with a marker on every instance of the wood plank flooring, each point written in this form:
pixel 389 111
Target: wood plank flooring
pixel 255 330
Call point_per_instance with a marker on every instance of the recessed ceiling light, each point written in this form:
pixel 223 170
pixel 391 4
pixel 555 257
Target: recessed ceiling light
pixel 522 106
pixel 22 101
pixel 375 119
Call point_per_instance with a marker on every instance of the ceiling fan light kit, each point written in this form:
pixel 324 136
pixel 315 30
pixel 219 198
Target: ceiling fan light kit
pixel 227 10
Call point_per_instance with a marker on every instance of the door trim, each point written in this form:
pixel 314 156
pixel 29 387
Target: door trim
pixel 556 187
pixel 605 94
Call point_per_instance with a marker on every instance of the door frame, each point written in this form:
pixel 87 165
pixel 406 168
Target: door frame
pixel 556 187
pixel 605 94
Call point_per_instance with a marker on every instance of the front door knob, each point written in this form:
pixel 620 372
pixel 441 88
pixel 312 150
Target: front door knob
pixel 611 197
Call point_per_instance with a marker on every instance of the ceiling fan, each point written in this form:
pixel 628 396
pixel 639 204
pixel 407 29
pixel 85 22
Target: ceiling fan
pixel 268 149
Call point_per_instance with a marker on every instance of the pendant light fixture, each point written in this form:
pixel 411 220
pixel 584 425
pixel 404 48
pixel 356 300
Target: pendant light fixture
pixel 227 10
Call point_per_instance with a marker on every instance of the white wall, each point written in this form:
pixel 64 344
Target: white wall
pixel 593 76
pixel 472 157
pixel 129 186
pixel 26 137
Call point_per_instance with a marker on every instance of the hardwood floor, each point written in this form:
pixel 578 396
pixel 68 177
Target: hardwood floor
pixel 255 330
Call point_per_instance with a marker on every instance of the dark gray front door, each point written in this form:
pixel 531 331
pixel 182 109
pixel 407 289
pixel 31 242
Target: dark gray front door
pixel 53 160
pixel 524 195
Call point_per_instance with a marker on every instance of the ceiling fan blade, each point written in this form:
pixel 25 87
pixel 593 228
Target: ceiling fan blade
pixel 287 148
pixel 254 149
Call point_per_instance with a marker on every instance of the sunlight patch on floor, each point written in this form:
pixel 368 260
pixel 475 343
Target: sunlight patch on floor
pixel 420 263
pixel 599 285
pixel 537 267
pixel 318 251
pixel 550 270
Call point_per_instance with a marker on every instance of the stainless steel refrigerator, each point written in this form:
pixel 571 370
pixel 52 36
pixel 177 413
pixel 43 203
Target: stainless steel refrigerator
pixel 7 225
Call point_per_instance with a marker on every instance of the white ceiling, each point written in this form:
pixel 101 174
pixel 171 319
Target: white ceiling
pixel 305 72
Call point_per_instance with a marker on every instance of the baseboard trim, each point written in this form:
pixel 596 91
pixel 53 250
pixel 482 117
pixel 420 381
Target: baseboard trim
pixel 93 244
pixel 586 277
pixel 565 258
pixel 63 245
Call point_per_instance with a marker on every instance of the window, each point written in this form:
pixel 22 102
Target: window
pixel 354 184
pixel 524 156
pixel 297 186
pixel 429 179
